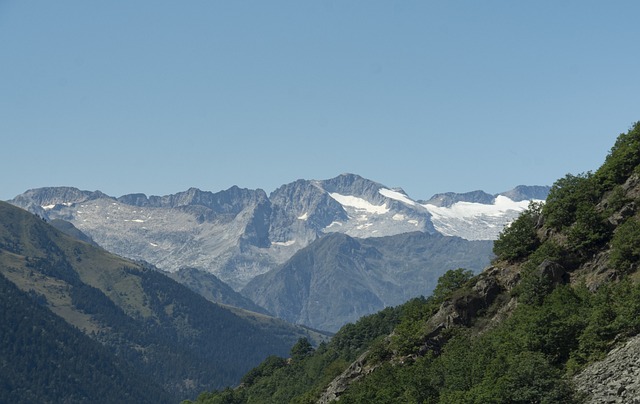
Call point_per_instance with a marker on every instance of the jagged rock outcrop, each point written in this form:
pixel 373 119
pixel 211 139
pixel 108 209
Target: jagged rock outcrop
pixel 357 370
pixel 447 199
pixel 460 310
pixel 527 192
pixel 553 272
pixel 616 378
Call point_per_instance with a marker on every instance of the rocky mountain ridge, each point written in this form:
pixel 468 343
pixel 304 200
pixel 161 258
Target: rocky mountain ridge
pixel 238 234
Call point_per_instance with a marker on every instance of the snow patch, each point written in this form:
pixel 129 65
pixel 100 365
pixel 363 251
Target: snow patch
pixel 153 244
pixel 413 222
pixel 398 196
pixel 284 243
pixel 359 204
pixel 476 221
pixel 472 210
pixel 334 224
pixel 398 217
pixel 134 220
pixel 48 207
pixel 304 217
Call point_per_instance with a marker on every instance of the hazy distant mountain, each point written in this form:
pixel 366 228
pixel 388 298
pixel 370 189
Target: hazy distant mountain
pixel 213 289
pixel 238 234
pixel 338 279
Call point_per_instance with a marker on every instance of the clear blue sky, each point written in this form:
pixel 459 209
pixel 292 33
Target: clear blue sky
pixel 159 96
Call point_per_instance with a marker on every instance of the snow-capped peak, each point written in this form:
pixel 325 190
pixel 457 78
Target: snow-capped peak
pixel 359 203
pixel 398 196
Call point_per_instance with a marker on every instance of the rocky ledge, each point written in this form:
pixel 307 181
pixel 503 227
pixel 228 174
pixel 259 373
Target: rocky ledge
pixel 616 378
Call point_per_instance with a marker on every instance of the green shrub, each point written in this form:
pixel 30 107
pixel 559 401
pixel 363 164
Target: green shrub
pixel 625 246
pixel 519 239
pixel 565 196
pixel 622 160
pixel 589 232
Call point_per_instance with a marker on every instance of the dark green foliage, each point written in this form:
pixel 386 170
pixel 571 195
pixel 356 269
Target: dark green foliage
pixel 625 246
pixel 572 208
pixel 572 202
pixel 521 361
pixel 534 286
pixel 589 232
pixel 45 360
pixel 408 335
pixel 385 386
pixel 616 200
pixel 613 310
pixel 565 196
pixel 265 369
pixel 622 160
pixel 526 377
pixel 301 379
pixel 450 281
pixel 519 239
pixel 352 339
pixel 157 327
pixel 301 349
pixel 525 359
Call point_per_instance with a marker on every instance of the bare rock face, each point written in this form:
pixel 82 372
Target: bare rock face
pixel 616 378
pixel 553 271
pixel 461 310
pixel 339 385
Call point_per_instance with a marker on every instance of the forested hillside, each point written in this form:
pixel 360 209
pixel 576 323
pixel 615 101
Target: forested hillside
pixel 46 360
pixel 562 292
pixel 157 331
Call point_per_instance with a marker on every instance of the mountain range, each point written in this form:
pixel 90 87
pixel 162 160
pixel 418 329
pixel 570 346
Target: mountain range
pixel 250 240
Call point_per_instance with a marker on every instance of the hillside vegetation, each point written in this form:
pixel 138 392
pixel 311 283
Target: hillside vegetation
pixel 561 293
pixel 160 331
